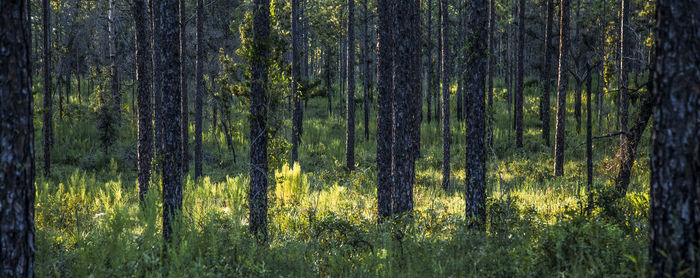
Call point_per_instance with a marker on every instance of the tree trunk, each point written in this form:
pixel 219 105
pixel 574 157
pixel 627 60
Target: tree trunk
pixel 491 23
pixel 47 129
pixel 444 75
pixel 589 131
pixel 184 105
pixel 17 190
pixel 329 85
pixel 350 96
pixel 625 53
pixel 520 86
pixel 546 79
pixel 475 186
pixel 114 71
pixel 157 83
pixel 143 79
pixel 405 89
pixel 257 196
pixel 366 78
pixel 385 95
pixel 560 134
pixel 198 97
pixel 675 158
pixel 170 83
pixel 429 91
pixel 296 78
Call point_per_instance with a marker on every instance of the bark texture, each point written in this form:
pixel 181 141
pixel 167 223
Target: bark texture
pixel 547 72
pixel 445 78
pixel 184 104
pixel 296 75
pixel 350 96
pixel 172 151
pixel 385 95
pixel 199 92
pixel 475 186
pixel 560 134
pixel 257 195
pixel 143 78
pixel 675 159
pixel 47 129
pixel 16 143
pixel 520 84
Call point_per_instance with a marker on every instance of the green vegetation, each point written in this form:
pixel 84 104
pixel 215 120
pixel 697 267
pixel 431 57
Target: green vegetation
pixel 323 218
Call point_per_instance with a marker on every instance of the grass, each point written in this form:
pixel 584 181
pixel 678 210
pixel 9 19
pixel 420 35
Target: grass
pixel 322 218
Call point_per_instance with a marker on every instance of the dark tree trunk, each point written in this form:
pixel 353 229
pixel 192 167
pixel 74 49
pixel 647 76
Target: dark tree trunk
pixel 675 158
pixel 577 102
pixel 47 129
pixel 143 79
pixel 520 86
pixel 198 97
pixel 628 149
pixel 445 78
pixel 560 134
pixel 296 78
pixel 475 187
pixel 257 195
pixel 350 96
pixel 589 131
pixel 625 53
pixel 405 90
pixel 17 136
pixel 157 83
pixel 416 109
pixel 366 79
pixel 184 105
pixel 385 95
pixel 114 70
pixel 546 79
pixel 429 91
pixel 490 65
pixel 170 83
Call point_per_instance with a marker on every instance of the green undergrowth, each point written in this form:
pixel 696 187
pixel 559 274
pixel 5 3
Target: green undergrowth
pixel 322 218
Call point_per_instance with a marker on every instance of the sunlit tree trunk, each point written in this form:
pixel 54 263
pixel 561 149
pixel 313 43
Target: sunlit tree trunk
pixel 560 137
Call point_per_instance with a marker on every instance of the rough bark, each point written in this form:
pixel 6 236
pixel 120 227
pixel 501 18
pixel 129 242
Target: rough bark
pixel 113 69
pixel 490 65
pixel 445 78
pixel 157 83
pixel 184 105
pixel 296 75
pixel 675 159
pixel 520 84
pixel 404 74
pixel 366 79
pixel 350 96
pixel 475 186
pixel 547 72
pixel 560 134
pixel 16 143
pixel 198 97
pixel 429 91
pixel 47 129
pixel 625 53
pixel 385 94
pixel 170 83
pixel 143 79
pixel 257 195
pixel 589 130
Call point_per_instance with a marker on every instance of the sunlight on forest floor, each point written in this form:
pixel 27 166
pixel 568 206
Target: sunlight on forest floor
pixel 322 218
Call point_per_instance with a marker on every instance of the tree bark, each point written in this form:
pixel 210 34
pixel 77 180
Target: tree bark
pixel 143 79
pixel 589 130
pixel 16 142
pixel 296 78
pixel 520 86
pixel 170 83
pixel 385 95
pixel 429 91
pixel 184 105
pixel 675 158
pixel 445 78
pixel 475 186
pixel 198 97
pixel 350 96
pixel 47 129
pixel 625 49
pixel 546 79
pixel 560 134
pixel 366 79
pixel 114 70
pixel 257 195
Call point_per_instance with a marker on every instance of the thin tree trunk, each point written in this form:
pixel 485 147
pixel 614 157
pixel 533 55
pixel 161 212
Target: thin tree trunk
pixel 47 129
pixel 257 196
pixel 589 130
pixel 143 79
pixel 296 78
pixel 560 137
pixel 199 94
pixel 184 105
pixel 350 96
pixel 544 99
pixel 429 92
pixel 365 63
pixel 385 95
pixel 444 75
pixel 520 86
pixel 114 71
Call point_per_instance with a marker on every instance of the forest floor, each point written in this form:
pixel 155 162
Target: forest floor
pixel 322 218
